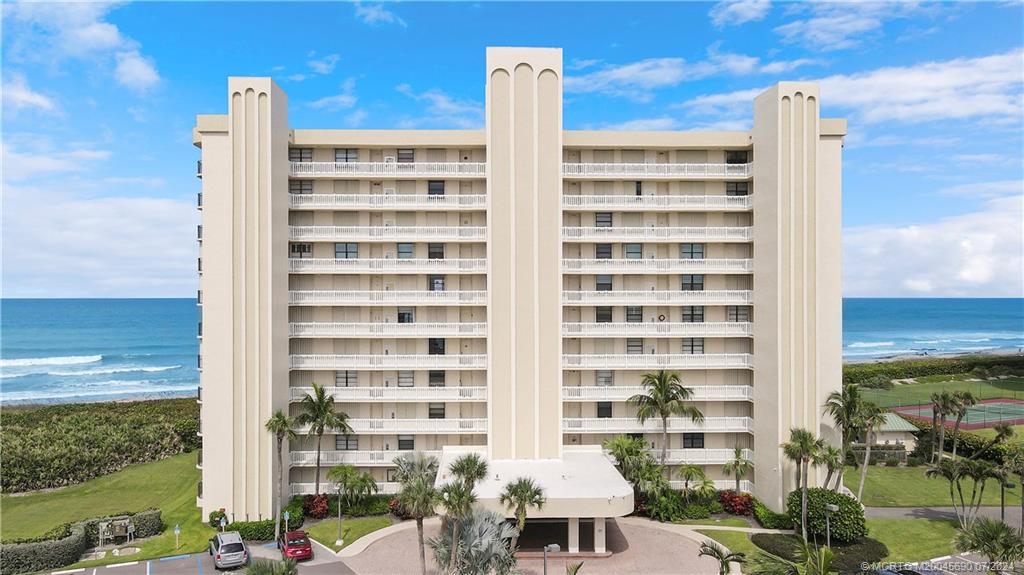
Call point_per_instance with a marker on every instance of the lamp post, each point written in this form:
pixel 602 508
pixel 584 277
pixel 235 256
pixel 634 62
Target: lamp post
pixel 830 508
pixel 554 548
pixel 1002 499
pixel 340 541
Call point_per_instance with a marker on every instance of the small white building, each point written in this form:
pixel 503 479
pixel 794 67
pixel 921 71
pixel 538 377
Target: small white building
pixel 897 430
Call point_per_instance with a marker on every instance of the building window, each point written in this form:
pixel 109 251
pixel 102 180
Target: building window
pixel 603 283
pixel 406 442
pixel 634 251
pixel 435 188
pixel 736 157
pixel 693 282
pixel 406 379
pixel 435 283
pixel 634 314
pixel 406 156
pixel 635 346
pixel 406 315
pixel 604 409
pixel 604 314
pixel 736 189
pixel 693 441
pixel 300 186
pixel 435 410
pixel 603 219
pixel 603 251
pixel 346 378
pixel 693 314
pixel 691 251
pixel 435 346
pixel 639 187
pixel 300 250
pixel 300 154
pixel 346 443
pixel 346 155
pixel 435 251
pixel 346 251
pixel 693 345
pixel 405 251
pixel 737 313
pixel 436 378
pixel 605 377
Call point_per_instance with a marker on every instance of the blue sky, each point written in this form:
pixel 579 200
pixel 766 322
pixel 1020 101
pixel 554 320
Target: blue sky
pixel 99 101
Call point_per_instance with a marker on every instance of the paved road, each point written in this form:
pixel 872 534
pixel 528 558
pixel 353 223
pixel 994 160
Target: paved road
pixel 1012 513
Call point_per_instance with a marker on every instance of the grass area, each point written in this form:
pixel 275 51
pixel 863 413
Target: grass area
pixel 941 378
pixel 727 521
pixel 920 393
pixel 736 541
pixel 989 433
pixel 914 539
pixel 326 531
pixel 908 487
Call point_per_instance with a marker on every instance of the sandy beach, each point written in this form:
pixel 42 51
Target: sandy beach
pixel 997 351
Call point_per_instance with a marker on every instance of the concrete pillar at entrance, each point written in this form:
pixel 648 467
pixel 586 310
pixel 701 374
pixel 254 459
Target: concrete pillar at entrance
pixel 599 535
pixel 574 535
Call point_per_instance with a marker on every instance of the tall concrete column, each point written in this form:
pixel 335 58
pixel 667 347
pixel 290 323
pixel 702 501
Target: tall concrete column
pixel 574 535
pixel 599 535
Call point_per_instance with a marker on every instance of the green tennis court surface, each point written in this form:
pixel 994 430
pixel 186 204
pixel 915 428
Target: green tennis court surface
pixel 986 414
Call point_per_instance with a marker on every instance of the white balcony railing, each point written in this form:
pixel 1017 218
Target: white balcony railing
pixel 658 266
pixel 386 266
pixel 387 201
pixel 372 362
pixel 389 298
pixel 675 425
pixel 746 485
pixel 658 297
pixel 411 426
pixel 330 329
pixel 396 394
pixel 388 233
pixel 385 169
pixel 658 233
pixel 700 456
pixel 654 203
pixel 659 361
pixel 384 487
pixel 658 329
pixel 658 171
pixel 357 458
pixel 624 392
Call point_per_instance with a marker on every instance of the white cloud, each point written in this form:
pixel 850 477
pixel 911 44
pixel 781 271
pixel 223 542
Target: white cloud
pixel 345 99
pixel 978 158
pixel 18 95
pixel 783 66
pixel 377 14
pixel 324 65
pixel 443 110
pixel 22 165
pixel 737 12
pixel 356 118
pixel 838 25
pixel 580 64
pixel 643 124
pixel 994 189
pixel 135 71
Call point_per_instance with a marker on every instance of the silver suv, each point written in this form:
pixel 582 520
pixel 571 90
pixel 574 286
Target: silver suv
pixel 228 550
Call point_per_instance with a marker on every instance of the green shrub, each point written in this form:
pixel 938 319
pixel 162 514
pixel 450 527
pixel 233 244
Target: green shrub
pixel 263 530
pixel 864 372
pixel 847 523
pixel 968 444
pixel 716 507
pixel 695 511
pixel 215 517
pixel 914 461
pixel 373 505
pixel 847 557
pixel 770 519
pixel 667 507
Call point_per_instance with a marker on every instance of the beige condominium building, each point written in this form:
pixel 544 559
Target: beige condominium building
pixel 505 289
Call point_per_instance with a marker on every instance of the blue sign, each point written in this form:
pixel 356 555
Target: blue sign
pixel 177 529
pixel 286 515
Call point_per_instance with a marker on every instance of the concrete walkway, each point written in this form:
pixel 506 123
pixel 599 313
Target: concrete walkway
pixel 1012 513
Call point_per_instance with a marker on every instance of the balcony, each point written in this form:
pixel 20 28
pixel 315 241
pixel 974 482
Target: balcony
pixel 746 486
pixel 657 266
pixel 386 266
pixel 389 362
pixel 659 171
pixel 649 203
pixel 657 234
pixel 382 330
pixel 387 233
pixel 658 361
pixel 396 394
pixel 662 297
pixel 357 458
pixel 389 298
pixel 701 457
pixel 387 202
pixel 394 170
pixel 658 329
pixel 412 426
pixel 675 425
pixel 385 487
pixel 624 392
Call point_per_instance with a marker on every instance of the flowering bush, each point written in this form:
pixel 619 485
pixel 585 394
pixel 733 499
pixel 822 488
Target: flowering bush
pixel 396 509
pixel 315 506
pixel 736 503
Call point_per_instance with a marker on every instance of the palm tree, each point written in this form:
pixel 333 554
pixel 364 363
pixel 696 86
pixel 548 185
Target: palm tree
pixel 281 426
pixel 722 555
pixel 1003 433
pixel 665 397
pixel 964 400
pixel 630 453
pixel 317 411
pixel 418 498
pixel 483 547
pixel 270 567
pixel 844 408
pixel 801 449
pixel 957 472
pixel 872 417
pixel 353 486
pixel 943 404
pixel 832 458
pixel 573 568
pixel 518 496
pixel 413 465
pixel 457 499
pixel 739 466
pixel 689 472
pixel 469 468
pixel 994 539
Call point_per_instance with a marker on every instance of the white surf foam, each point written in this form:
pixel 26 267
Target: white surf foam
pixel 60 360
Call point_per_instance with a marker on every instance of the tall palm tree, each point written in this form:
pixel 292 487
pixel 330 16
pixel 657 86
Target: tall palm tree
pixel 457 499
pixel 317 411
pixel 964 401
pixel 801 449
pixel 722 555
pixel 1003 433
pixel 664 397
pixel 832 458
pixel 518 496
pixel 871 418
pixel 413 465
pixel 844 408
pixel 418 498
pixel 281 426
pixel 944 404
pixel 739 466
pixel 469 468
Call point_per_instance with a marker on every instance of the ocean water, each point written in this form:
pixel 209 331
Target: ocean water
pixel 61 350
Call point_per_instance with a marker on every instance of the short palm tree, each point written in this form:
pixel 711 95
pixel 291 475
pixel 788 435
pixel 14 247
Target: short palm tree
pixel 690 473
pixel 844 408
pixel 413 465
pixel 995 540
pixel 801 449
pixel 871 418
pixel 832 458
pixel 353 486
pixel 484 545
pixel 964 401
pixel 469 468
pixel 520 495
pixel 418 498
pixel 739 466
pixel 573 568
pixel 317 411
pixel 457 499
pixel 271 567
pixel 281 426
pixel 664 397
pixel 1003 433
pixel 722 555
pixel 630 453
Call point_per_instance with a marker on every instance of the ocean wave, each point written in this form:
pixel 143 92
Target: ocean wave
pixel 933 341
pixel 60 360
pixel 105 371
pixel 859 344
pixel 55 396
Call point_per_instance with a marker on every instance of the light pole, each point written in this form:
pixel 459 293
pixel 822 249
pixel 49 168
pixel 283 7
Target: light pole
pixel 830 508
pixel 554 548
pixel 1002 499
pixel 340 541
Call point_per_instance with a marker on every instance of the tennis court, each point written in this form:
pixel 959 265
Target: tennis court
pixel 985 414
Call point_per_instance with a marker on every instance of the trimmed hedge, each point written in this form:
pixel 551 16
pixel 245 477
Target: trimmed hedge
pixel 968 444
pixel 263 530
pixel 860 373
pixel 847 523
pixel 768 518
pixel 847 557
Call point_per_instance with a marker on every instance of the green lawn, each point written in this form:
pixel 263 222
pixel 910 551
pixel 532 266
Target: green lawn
pixel 920 393
pixel 940 378
pixel 908 487
pixel 914 539
pixel 736 541
pixel 728 521
pixel 989 433
pixel 326 531
pixel 169 484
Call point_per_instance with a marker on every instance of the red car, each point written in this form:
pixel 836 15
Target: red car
pixel 295 545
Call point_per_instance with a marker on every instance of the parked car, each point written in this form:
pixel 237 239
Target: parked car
pixel 295 545
pixel 228 550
